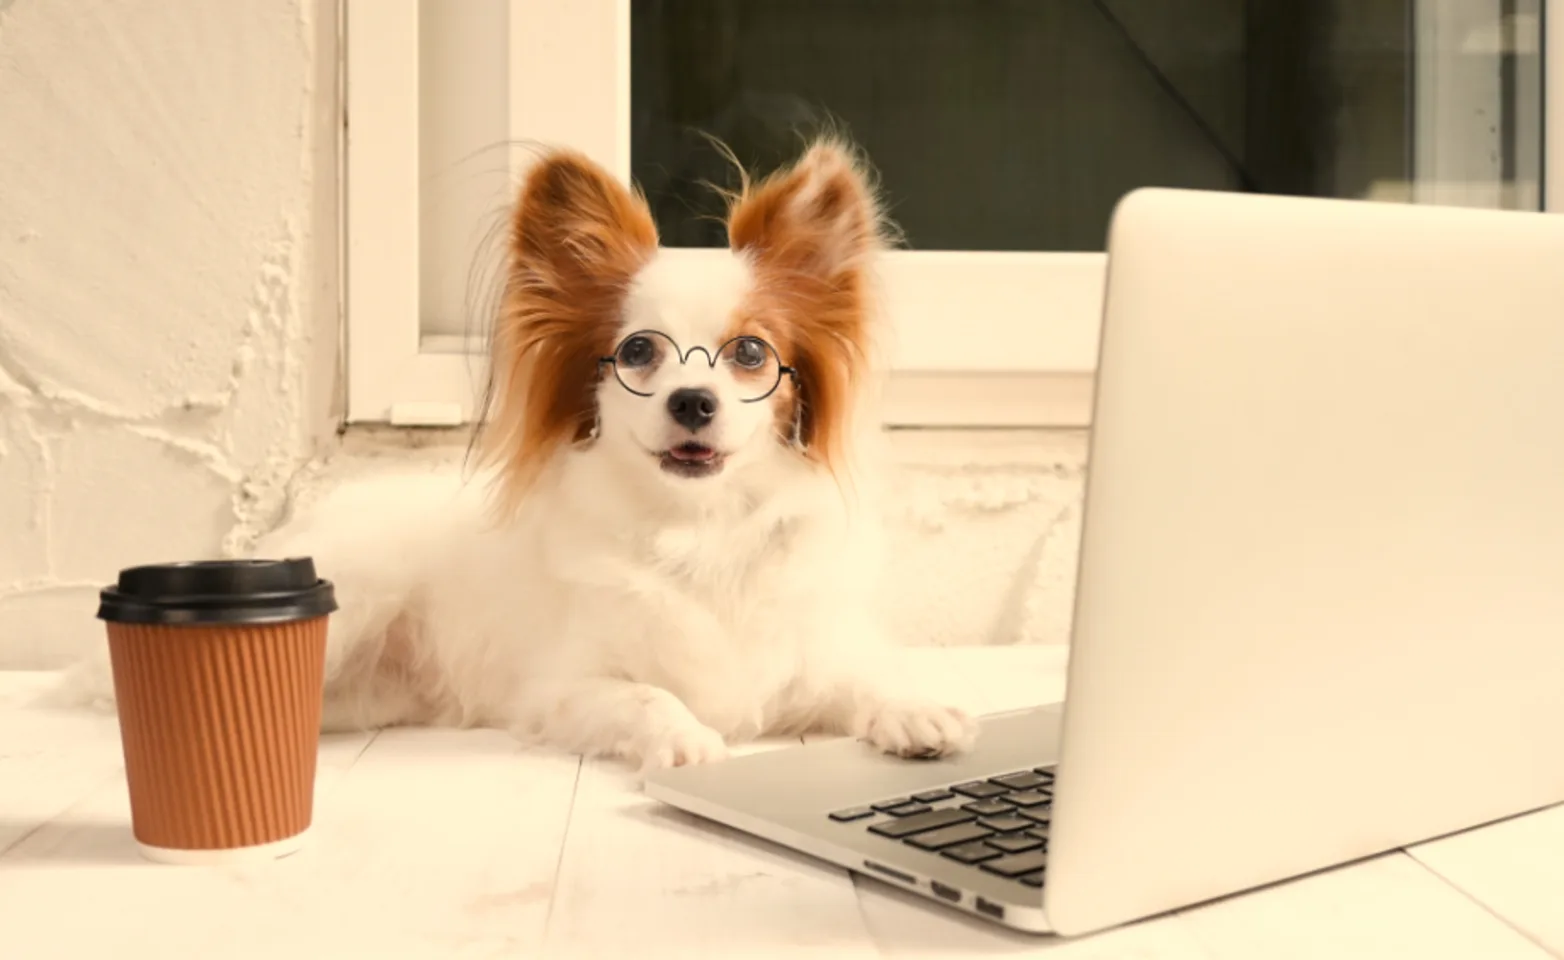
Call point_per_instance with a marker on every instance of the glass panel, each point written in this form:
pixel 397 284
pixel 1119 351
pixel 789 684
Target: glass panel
pixel 1017 124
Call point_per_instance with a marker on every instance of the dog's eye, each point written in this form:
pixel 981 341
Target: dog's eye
pixel 749 353
pixel 637 352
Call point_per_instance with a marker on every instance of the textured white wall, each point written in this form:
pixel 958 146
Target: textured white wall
pixel 167 255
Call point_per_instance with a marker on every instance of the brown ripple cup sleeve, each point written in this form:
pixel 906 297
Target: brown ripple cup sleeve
pixel 218 677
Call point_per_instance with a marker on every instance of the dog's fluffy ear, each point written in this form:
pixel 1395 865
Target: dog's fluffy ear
pixel 577 239
pixel 812 232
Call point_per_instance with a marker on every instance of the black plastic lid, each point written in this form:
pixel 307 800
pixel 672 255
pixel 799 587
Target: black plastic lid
pixel 218 591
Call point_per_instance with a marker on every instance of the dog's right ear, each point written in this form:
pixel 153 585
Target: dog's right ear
pixel 577 238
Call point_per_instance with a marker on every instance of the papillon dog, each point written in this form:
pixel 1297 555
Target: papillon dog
pixel 671 541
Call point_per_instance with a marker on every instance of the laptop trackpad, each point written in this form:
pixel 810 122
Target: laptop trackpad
pixel 834 774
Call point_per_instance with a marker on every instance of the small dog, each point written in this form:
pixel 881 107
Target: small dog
pixel 671 545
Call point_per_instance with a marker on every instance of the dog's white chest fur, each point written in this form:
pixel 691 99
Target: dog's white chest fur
pixel 680 547
pixel 709 612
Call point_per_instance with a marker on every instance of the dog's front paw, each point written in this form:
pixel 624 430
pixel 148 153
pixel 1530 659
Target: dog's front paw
pixel 683 745
pixel 918 730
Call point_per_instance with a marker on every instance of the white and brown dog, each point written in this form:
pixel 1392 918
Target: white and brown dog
pixel 673 545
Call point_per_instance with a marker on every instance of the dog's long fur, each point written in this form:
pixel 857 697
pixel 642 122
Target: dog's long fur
pixel 592 588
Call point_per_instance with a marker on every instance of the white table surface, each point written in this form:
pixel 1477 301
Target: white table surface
pixel 460 844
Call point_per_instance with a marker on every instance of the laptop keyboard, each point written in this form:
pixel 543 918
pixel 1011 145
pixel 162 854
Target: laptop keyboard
pixel 999 825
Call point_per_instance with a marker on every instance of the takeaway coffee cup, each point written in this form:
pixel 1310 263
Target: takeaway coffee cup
pixel 218 673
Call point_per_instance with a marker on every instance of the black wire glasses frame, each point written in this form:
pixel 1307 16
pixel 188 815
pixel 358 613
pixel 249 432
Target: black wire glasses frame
pixel 753 362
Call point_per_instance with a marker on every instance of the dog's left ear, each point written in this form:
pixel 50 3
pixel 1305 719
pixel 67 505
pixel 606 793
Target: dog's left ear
pixel 577 239
pixel 813 231
pixel 818 217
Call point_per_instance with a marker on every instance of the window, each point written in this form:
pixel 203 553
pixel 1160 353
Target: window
pixel 1003 130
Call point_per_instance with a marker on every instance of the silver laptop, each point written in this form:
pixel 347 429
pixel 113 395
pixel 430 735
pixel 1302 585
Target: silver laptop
pixel 1320 606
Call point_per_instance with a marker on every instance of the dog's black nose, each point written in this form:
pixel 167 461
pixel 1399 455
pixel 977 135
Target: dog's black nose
pixel 692 407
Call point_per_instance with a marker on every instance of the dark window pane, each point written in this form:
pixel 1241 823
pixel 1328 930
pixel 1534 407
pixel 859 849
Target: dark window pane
pixel 1017 124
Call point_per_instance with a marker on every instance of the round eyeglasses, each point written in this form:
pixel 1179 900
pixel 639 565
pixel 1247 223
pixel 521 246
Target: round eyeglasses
pixel 752 363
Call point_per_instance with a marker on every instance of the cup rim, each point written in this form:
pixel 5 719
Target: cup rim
pixel 198 592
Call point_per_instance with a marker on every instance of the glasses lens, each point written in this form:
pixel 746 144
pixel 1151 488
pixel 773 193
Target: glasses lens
pixel 754 366
pixel 641 357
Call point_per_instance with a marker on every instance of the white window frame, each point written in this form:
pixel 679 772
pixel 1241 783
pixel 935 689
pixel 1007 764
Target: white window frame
pixel 1037 315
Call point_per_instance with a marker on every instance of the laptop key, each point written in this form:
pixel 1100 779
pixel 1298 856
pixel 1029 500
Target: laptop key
pixel 1024 780
pixel 853 813
pixel 932 796
pixel 1007 824
pixel 921 823
pixel 1040 832
pixel 885 805
pixel 988 808
pixel 1033 879
pixel 979 789
pixel 1027 798
pixel 907 809
pixel 948 836
pixel 1016 842
pixel 1017 863
pixel 971 852
pixel 1043 815
pixel 1044 772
